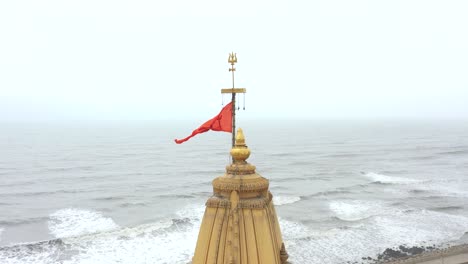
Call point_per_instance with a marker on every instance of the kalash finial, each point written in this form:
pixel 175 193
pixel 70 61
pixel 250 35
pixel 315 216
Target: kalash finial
pixel 240 152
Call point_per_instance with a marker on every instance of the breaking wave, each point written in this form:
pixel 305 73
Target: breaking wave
pixel 329 193
pixel 89 237
pixel 173 240
pixel 282 200
pixel 357 209
pixel 73 222
pixel 381 178
pixel 350 243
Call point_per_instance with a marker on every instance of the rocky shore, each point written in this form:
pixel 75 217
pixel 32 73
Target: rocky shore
pixel 419 254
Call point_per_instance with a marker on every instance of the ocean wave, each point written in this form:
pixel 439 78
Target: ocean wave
pixel 282 200
pixel 350 244
pixel 448 190
pixel 173 240
pixel 454 152
pixel 43 252
pixel 41 193
pixel 1 231
pixel 396 171
pixel 329 193
pixel 418 191
pixel 20 221
pixel 111 198
pixel 183 196
pixel 19 183
pixel 342 155
pixel 294 163
pixel 357 209
pixel 292 230
pixel 289 179
pixel 70 168
pixel 73 222
pixel 165 241
pixel 440 189
pixel 287 154
pixel 162 242
pixel 435 197
pixel 446 208
pixel 133 204
pixel 415 226
pixel 385 179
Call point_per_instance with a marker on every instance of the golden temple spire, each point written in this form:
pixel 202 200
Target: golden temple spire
pixel 240 225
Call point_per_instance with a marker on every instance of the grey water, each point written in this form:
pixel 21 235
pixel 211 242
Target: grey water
pixel 124 192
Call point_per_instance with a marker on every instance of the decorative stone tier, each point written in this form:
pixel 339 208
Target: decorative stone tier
pixel 240 169
pixel 253 203
pixel 247 183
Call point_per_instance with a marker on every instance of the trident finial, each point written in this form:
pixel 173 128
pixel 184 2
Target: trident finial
pixel 232 58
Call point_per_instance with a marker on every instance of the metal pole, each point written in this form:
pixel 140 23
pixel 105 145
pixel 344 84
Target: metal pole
pixel 233 110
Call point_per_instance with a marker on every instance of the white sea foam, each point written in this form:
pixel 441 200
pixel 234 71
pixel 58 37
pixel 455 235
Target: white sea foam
pixel 282 200
pixel 153 243
pixel 357 209
pixel 376 177
pixel 173 241
pixel 422 225
pixel 432 188
pixel 170 241
pixel 341 245
pixel 291 230
pixel 73 222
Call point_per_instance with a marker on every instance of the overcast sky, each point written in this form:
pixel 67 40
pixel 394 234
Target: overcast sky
pixel 152 60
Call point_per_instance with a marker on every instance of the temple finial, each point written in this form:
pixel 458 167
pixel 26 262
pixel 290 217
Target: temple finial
pixel 240 152
pixel 240 138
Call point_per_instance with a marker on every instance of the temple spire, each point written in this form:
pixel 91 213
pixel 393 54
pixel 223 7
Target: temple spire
pixel 240 225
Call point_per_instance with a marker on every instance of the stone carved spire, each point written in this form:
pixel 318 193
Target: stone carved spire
pixel 240 225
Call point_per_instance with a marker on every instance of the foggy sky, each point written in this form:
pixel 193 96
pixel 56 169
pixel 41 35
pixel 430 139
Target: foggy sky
pixel 154 60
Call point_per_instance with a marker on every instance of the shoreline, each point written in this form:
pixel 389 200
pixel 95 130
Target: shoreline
pixel 457 254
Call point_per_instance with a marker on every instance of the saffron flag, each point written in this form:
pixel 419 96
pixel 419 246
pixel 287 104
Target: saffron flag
pixel 221 122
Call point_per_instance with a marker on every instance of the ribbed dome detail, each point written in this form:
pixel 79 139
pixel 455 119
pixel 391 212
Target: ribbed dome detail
pixel 240 225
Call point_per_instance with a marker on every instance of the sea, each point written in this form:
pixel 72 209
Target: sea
pixel 124 192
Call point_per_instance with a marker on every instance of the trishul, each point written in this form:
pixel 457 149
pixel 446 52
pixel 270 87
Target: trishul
pixel 233 60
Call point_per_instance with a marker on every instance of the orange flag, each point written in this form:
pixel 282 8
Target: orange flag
pixel 221 122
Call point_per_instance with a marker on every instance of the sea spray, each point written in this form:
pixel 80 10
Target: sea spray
pixel 73 222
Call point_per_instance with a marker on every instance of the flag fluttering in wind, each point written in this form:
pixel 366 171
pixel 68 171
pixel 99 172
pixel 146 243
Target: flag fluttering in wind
pixel 221 122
